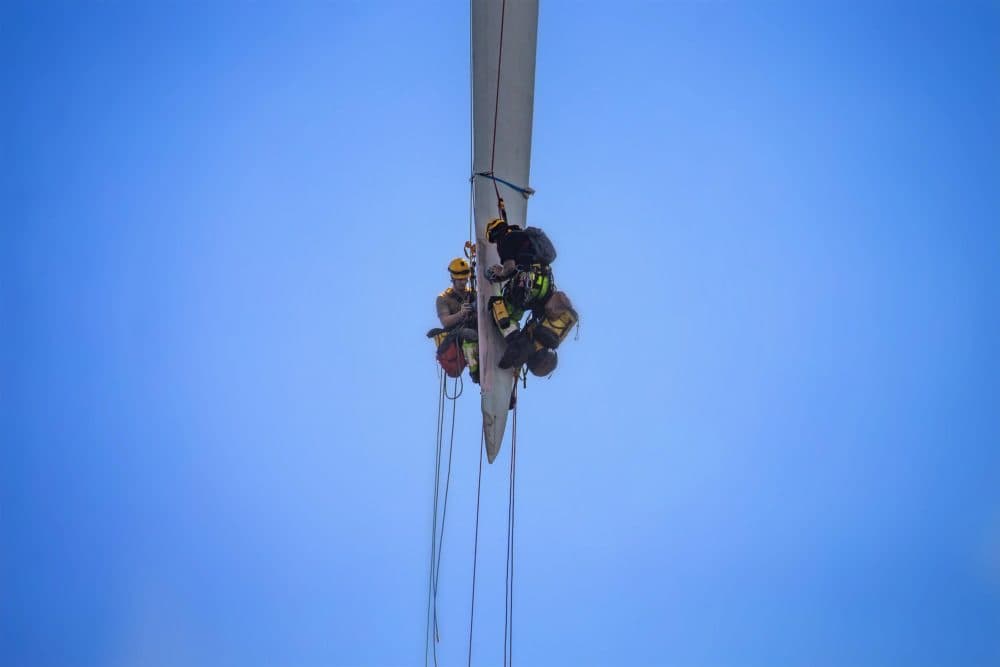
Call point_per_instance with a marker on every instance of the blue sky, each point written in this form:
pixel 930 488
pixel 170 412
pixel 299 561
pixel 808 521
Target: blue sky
pixel 774 443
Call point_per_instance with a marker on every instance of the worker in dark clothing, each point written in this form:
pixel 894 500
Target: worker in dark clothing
pixel 526 274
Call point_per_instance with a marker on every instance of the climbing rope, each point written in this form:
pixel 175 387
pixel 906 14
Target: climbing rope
pixel 508 620
pixel 458 388
pixel 475 548
pixel 434 522
pixel 444 514
pixel 472 150
pixel 437 538
pixel 496 103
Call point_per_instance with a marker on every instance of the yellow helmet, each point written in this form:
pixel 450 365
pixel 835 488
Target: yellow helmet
pixel 459 268
pixel 494 227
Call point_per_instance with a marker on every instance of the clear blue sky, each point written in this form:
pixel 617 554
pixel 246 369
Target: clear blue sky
pixel 777 441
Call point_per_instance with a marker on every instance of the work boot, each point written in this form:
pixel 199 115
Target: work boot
pixel 517 352
pixel 547 337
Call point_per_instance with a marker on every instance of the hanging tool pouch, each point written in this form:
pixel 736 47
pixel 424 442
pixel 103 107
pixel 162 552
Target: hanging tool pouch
pixel 450 356
pixel 449 352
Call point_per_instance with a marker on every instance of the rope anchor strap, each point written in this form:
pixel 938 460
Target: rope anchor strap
pixel 525 191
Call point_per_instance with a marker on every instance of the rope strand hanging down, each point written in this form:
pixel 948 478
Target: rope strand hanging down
pixel 496 104
pixel 431 585
pixel 508 619
pixel 475 549
pixel 437 536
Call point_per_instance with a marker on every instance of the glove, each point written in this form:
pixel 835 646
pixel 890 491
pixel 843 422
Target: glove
pixel 494 273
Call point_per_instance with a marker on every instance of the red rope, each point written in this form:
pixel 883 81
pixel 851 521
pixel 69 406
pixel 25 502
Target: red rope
pixel 496 104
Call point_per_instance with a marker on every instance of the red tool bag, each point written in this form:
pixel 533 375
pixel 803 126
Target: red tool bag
pixel 449 355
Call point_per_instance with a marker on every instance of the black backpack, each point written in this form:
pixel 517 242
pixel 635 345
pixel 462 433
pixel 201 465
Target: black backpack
pixel 541 246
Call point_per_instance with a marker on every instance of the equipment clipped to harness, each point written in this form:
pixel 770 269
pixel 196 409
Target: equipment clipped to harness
pixel 553 330
pixel 438 335
pixel 529 288
pixel 450 356
pixel 449 352
pixel 559 317
pixel 470 252
pixel 500 314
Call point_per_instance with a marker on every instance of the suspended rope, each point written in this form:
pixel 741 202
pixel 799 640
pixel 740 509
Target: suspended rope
pixel 496 103
pixel 475 548
pixel 444 516
pixel 508 620
pixel 472 147
pixel 434 522
pixel 437 537
pixel 457 389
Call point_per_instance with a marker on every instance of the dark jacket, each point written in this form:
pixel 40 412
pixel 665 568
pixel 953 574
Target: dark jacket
pixel 516 245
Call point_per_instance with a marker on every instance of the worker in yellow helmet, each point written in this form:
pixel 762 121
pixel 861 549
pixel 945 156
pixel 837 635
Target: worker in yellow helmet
pixel 525 272
pixel 457 340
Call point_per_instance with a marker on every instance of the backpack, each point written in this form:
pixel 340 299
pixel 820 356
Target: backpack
pixel 541 246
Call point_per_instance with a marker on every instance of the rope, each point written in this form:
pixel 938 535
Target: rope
pixel 496 104
pixel 444 516
pixel 472 144
pixel 475 549
pixel 431 583
pixel 472 220
pixel 508 621
pixel 459 384
pixel 437 538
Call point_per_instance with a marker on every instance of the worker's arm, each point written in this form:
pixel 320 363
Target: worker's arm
pixel 499 272
pixel 449 320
